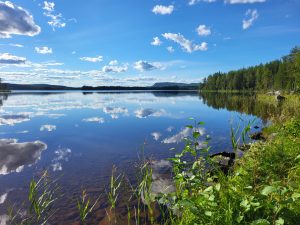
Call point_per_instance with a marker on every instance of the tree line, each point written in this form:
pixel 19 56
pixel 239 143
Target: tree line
pixel 283 74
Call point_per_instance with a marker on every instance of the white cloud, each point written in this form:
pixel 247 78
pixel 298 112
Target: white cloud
pixel 170 49
pixel 7 58
pixel 143 113
pixel 17 45
pixel 113 63
pixel 170 128
pixel 94 119
pixel 48 128
pixel 43 50
pixel 61 155
pixel 92 59
pixel 186 44
pixel 49 6
pixel 56 20
pixel 156 135
pixel 14 156
pixel 181 135
pixel 163 10
pixel 203 30
pixel 15 20
pixel 115 110
pixel 3 198
pixel 114 68
pixel 243 1
pixel 178 137
pixel 156 41
pixel 251 15
pixel 145 66
pixel 193 2
pixel 12 119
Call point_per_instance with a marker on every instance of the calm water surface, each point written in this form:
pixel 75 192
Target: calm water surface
pixel 80 136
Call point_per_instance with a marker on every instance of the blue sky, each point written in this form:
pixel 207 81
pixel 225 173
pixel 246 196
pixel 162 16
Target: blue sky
pixel 140 42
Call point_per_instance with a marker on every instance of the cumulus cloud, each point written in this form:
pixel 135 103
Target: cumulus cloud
pixel 15 20
pixel 163 10
pixel 114 67
pixel 156 135
pixel 94 120
pixel 178 137
pixel 243 1
pixel 15 156
pixel 203 30
pixel 143 113
pixel 145 66
pixel 156 41
pixel 114 112
pixel 12 119
pixel 170 49
pixel 48 128
pixel 60 155
pixel 56 20
pixel 113 63
pixel 193 2
pixel 49 6
pixel 170 128
pixel 185 132
pixel 92 59
pixel 251 16
pixel 162 180
pixel 43 50
pixel 186 44
pixel 7 58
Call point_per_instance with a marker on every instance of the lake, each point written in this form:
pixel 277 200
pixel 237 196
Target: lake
pixel 78 137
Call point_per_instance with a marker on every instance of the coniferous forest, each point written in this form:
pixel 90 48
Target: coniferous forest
pixel 283 74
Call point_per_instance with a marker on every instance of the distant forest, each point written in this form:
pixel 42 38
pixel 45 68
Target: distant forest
pixel 281 74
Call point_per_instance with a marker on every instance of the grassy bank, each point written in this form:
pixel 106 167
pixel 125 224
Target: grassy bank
pixel 263 188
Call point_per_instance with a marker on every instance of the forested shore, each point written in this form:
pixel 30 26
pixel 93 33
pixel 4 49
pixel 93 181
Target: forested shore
pixel 282 74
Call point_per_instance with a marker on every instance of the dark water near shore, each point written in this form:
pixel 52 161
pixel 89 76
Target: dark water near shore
pixel 80 136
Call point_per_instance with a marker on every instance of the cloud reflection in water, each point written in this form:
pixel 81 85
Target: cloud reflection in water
pixel 14 156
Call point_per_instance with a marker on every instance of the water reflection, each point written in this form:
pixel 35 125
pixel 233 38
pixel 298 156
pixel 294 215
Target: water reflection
pixel 15 156
pixel 250 104
pixel 96 131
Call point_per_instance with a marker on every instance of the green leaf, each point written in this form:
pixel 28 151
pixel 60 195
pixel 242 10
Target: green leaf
pixel 196 134
pixel 218 186
pixel 189 126
pixel 280 221
pixel 239 219
pixel 296 195
pixel 260 222
pixel 208 189
pixel 201 123
pixel 268 190
pixel 208 213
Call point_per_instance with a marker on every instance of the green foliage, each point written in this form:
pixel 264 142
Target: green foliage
pixel 281 74
pixel 264 187
pixel 85 206
pixel 115 183
pixel 42 196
